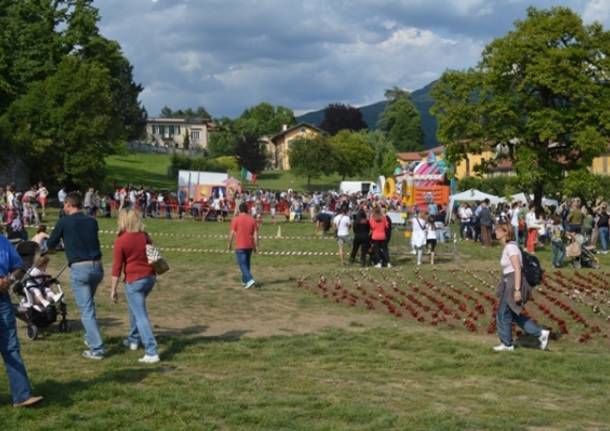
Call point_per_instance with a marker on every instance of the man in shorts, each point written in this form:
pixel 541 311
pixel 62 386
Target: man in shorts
pixel 342 223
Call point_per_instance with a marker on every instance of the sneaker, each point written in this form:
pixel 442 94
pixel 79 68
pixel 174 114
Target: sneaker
pixel 90 354
pixel 29 402
pixel 148 359
pixel 378 265
pixel 57 297
pixel 389 265
pixel 544 339
pixel 503 347
pixel 45 303
pixel 130 345
pixel 249 284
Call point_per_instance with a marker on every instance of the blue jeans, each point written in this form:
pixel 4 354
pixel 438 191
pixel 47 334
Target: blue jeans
pixel 603 236
pixel 504 324
pixel 85 278
pixel 243 260
pixel 9 347
pixel 559 252
pixel 140 330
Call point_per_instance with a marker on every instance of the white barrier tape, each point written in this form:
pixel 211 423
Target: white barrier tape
pixel 220 236
pixel 221 251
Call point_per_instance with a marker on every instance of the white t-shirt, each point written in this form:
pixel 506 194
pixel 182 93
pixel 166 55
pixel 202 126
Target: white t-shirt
pixel 514 218
pixel 430 231
pixel 342 223
pixel 510 250
pixel 418 234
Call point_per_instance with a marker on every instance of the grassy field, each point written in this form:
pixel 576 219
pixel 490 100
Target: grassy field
pixel 283 356
pixel 151 170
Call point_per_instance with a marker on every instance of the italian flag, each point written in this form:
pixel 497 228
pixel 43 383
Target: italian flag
pixel 247 175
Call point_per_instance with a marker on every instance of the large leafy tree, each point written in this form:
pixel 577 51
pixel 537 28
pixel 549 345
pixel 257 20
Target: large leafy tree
pixel 352 153
pixel 543 89
pixel 263 119
pixel 66 123
pixel 250 152
pixel 311 157
pixel 223 140
pixel 401 122
pixel 41 43
pixel 384 155
pixel 339 117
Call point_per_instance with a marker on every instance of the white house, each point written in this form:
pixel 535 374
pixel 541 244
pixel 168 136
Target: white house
pixel 173 132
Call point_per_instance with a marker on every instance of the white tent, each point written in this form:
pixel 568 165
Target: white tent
pixel 471 196
pixel 521 197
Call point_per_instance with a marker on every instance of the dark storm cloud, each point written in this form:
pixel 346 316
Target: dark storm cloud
pixel 230 54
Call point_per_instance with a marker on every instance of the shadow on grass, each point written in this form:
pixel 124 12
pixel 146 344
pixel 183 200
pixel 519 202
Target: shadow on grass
pixel 176 345
pixel 64 393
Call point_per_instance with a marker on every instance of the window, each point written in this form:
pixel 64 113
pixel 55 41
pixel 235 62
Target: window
pixel 194 135
pixel 161 131
pixel 177 130
pixel 302 130
pixel 171 130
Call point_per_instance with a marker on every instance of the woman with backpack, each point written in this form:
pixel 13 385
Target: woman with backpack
pixel 513 291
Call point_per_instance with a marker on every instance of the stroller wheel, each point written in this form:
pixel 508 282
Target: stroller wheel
pixel 63 326
pixel 31 332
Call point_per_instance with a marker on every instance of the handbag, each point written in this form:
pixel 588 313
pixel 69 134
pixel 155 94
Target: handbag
pixel 158 263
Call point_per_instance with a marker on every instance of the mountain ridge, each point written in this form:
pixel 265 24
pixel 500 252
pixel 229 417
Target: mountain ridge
pixel 370 114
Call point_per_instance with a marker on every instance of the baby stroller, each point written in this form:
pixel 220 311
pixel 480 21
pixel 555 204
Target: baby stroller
pixel 37 316
pixel 583 255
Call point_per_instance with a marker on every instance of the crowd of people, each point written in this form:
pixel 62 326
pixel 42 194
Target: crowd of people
pixel 362 225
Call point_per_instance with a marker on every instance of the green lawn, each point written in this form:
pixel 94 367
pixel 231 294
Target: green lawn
pixel 151 170
pixel 285 357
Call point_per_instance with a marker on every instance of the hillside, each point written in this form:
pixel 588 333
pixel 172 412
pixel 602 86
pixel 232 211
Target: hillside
pixel 370 113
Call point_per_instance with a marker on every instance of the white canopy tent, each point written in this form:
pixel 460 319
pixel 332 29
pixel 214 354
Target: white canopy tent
pixel 471 195
pixel 521 197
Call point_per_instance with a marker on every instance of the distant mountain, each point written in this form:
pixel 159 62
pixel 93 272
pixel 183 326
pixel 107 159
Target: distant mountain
pixel 370 113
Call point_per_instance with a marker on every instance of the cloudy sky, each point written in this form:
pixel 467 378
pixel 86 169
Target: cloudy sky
pixel 227 55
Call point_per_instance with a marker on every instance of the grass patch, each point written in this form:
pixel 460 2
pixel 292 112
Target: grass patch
pixel 280 357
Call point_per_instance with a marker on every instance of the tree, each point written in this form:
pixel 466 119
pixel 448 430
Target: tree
pixel 342 117
pixel 583 184
pixel 352 153
pixel 263 119
pixel 41 43
pixel 401 122
pixel 66 124
pixel 223 139
pixel 311 157
pixel 384 155
pixel 543 88
pixel 251 153
pixel 166 112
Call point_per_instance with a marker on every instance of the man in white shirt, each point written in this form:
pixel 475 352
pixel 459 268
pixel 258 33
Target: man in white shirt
pixel 465 215
pixel 342 223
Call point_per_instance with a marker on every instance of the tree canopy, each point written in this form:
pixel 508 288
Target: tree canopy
pixel 401 122
pixel 352 153
pixel 188 113
pixel 544 89
pixel 339 117
pixel 311 157
pixel 67 93
pixel 263 119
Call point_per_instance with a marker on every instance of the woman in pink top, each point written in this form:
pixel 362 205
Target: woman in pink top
pixel 513 292
pixel 379 225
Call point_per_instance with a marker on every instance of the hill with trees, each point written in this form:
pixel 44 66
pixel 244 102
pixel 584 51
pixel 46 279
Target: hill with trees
pixel 371 114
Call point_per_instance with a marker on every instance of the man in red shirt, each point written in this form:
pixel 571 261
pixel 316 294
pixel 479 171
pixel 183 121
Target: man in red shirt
pixel 245 231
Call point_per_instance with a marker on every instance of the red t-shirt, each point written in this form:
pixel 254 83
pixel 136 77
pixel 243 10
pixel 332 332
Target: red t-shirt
pixel 129 256
pixel 244 227
pixel 378 229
